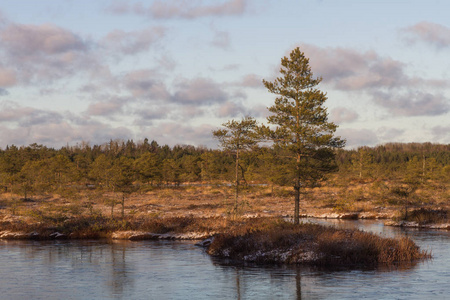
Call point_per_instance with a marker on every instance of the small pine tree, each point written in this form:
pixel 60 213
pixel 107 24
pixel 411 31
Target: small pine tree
pixel 237 136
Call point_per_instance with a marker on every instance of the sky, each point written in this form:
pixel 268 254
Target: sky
pixel 74 71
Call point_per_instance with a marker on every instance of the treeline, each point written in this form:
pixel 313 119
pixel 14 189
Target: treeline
pixel 125 166
pixel 397 161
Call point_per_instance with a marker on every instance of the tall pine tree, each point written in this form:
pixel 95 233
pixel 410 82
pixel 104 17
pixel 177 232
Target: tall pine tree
pixel 300 123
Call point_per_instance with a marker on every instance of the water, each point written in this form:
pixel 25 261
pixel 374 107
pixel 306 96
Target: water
pixel 180 270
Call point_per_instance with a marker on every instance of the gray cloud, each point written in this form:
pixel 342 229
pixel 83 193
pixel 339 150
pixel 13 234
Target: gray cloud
pixel 146 83
pixel 173 133
pixel 167 63
pixel 221 40
pixel 26 125
pixel 12 112
pixel 358 137
pixel 251 80
pixel 181 9
pixel 134 42
pixel 14 136
pixel 42 53
pixel 385 80
pixel 389 134
pixel 26 40
pixel 260 111
pixel 431 33
pixel 3 92
pixel 231 109
pixel 413 103
pixel 343 115
pixel 348 69
pixel 441 133
pixel 27 116
pixel 198 91
pixel 7 77
pixel 39 117
pixel 148 115
pixel 106 108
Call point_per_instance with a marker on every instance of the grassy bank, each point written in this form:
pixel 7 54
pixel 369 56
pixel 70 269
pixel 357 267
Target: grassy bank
pixel 87 213
pixel 260 240
pixel 97 226
pixel 282 242
pixel 425 216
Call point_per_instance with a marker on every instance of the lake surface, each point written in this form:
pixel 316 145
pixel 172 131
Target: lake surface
pixel 180 270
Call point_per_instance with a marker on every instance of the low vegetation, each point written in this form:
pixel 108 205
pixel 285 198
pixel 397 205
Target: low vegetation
pixel 97 226
pixel 312 244
pixel 425 216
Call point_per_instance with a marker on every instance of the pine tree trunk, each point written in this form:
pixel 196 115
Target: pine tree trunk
pixel 237 183
pixel 123 206
pixel 297 193
pixel 297 203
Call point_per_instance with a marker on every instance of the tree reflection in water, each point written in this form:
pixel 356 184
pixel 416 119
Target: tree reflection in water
pixel 121 271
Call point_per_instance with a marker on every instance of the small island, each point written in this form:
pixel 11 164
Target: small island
pixel 282 242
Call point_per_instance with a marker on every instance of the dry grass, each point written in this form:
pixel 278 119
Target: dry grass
pixel 97 226
pixel 71 211
pixel 424 216
pixel 282 242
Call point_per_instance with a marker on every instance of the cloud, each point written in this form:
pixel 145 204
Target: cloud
pixel 221 40
pixel 42 53
pixel 3 92
pixel 7 77
pixel 119 7
pixel 106 108
pixel 40 117
pixel 413 103
pixel 358 137
pixel 384 79
pixel 14 136
pixel 147 116
pixel 13 112
pixel 63 133
pixel 389 134
pixel 26 125
pixel 431 33
pixel 167 63
pixel 260 111
pixel 229 67
pixel 440 133
pixel 145 83
pixel 251 80
pixel 231 109
pixel 343 115
pixel 173 133
pixel 198 91
pixel 26 40
pixel 128 43
pixel 348 69
pixel 181 9
pixel 27 116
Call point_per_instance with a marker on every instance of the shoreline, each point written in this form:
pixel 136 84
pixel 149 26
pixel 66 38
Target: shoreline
pixel 49 233
pixel 258 240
